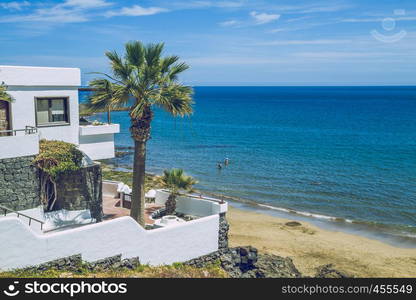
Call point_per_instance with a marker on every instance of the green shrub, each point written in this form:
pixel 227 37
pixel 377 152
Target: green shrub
pixel 56 157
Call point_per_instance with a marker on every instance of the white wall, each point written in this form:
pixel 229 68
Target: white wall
pixel 193 206
pixel 22 247
pixel 40 76
pixel 110 188
pixel 27 83
pixel 23 111
pixel 98 141
pixel 98 146
pixel 19 146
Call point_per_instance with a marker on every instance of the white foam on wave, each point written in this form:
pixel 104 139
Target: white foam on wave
pixel 306 214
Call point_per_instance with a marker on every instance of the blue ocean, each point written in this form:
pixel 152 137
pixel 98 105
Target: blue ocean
pixel 344 154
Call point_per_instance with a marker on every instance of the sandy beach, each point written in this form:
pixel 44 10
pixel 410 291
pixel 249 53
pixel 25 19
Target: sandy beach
pixel 310 246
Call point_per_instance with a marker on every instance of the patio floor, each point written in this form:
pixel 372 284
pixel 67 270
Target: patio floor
pixel 112 209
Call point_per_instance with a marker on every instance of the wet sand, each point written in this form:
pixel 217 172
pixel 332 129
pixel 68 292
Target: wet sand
pixel 310 246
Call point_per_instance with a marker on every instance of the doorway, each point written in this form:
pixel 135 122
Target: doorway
pixel 4 118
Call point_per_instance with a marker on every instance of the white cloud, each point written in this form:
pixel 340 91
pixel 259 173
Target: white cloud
pixel 374 20
pixel 70 11
pixel 338 55
pixel 136 10
pixel 295 26
pixel 207 4
pixel 234 60
pixel 305 42
pixel 310 7
pixel 229 23
pixel 87 3
pixel 14 5
pixel 324 9
pixel 264 18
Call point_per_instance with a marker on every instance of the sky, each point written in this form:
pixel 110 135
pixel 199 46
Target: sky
pixel 226 42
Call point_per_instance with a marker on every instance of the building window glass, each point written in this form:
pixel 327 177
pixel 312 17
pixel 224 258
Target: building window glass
pixel 52 111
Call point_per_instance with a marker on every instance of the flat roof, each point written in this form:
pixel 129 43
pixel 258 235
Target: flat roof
pixel 40 76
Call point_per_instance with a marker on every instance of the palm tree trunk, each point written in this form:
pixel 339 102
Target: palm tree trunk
pixel 171 204
pixel 109 115
pixel 138 193
pixel 140 132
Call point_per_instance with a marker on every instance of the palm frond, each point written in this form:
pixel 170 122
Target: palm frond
pixel 167 62
pixel 176 179
pixel 153 53
pixel 106 95
pixel 176 70
pixel 176 99
pixel 135 53
pixel 149 78
pixel 138 109
pixel 120 68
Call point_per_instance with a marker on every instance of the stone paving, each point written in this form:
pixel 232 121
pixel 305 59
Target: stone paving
pixel 112 209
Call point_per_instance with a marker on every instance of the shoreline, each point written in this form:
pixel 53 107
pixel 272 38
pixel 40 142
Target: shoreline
pixel 312 243
pixel 324 222
pixel 383 234
pixel 310 246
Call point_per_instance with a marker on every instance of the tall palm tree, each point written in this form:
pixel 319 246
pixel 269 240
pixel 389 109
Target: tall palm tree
pixel 142 79
pixel 175 180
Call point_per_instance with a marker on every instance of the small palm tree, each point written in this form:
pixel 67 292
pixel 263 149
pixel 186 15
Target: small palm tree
pixel 3 93
pixel 142 79
pixel 175 180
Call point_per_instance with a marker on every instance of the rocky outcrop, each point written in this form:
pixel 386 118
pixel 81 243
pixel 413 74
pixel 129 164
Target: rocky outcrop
pixel 328 271
pixel 224 227
pixel 246 262
pixel 273 266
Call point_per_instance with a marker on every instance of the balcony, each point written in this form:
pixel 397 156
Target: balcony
pixel 97 141
pixel 19 143
pixel 86 130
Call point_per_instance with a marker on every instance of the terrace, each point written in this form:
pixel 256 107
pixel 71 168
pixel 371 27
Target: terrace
pixel 117 203
pixel 97 140
pixel 27 244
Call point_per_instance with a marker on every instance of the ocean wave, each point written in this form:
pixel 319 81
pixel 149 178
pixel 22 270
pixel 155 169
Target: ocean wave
pixel 306 214
pixel 406 232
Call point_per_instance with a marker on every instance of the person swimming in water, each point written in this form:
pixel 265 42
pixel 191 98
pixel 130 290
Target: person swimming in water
pixel 226 161
pixel 219 166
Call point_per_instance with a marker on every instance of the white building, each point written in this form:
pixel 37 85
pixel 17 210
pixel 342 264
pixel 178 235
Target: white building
pixel 45 106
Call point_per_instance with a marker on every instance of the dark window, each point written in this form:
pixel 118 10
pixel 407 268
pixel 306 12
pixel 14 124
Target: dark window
pixel 52 111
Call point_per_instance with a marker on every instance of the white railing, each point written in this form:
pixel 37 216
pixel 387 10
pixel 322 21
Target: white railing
pixel 15 132
pixel 8 211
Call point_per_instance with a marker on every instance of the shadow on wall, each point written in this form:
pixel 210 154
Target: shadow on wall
pixel 22 247
pixel 80 190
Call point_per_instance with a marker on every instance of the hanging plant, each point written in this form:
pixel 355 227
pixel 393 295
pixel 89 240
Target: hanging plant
pixel 54 159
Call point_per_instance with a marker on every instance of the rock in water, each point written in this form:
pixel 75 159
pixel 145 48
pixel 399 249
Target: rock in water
pixel 293 224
